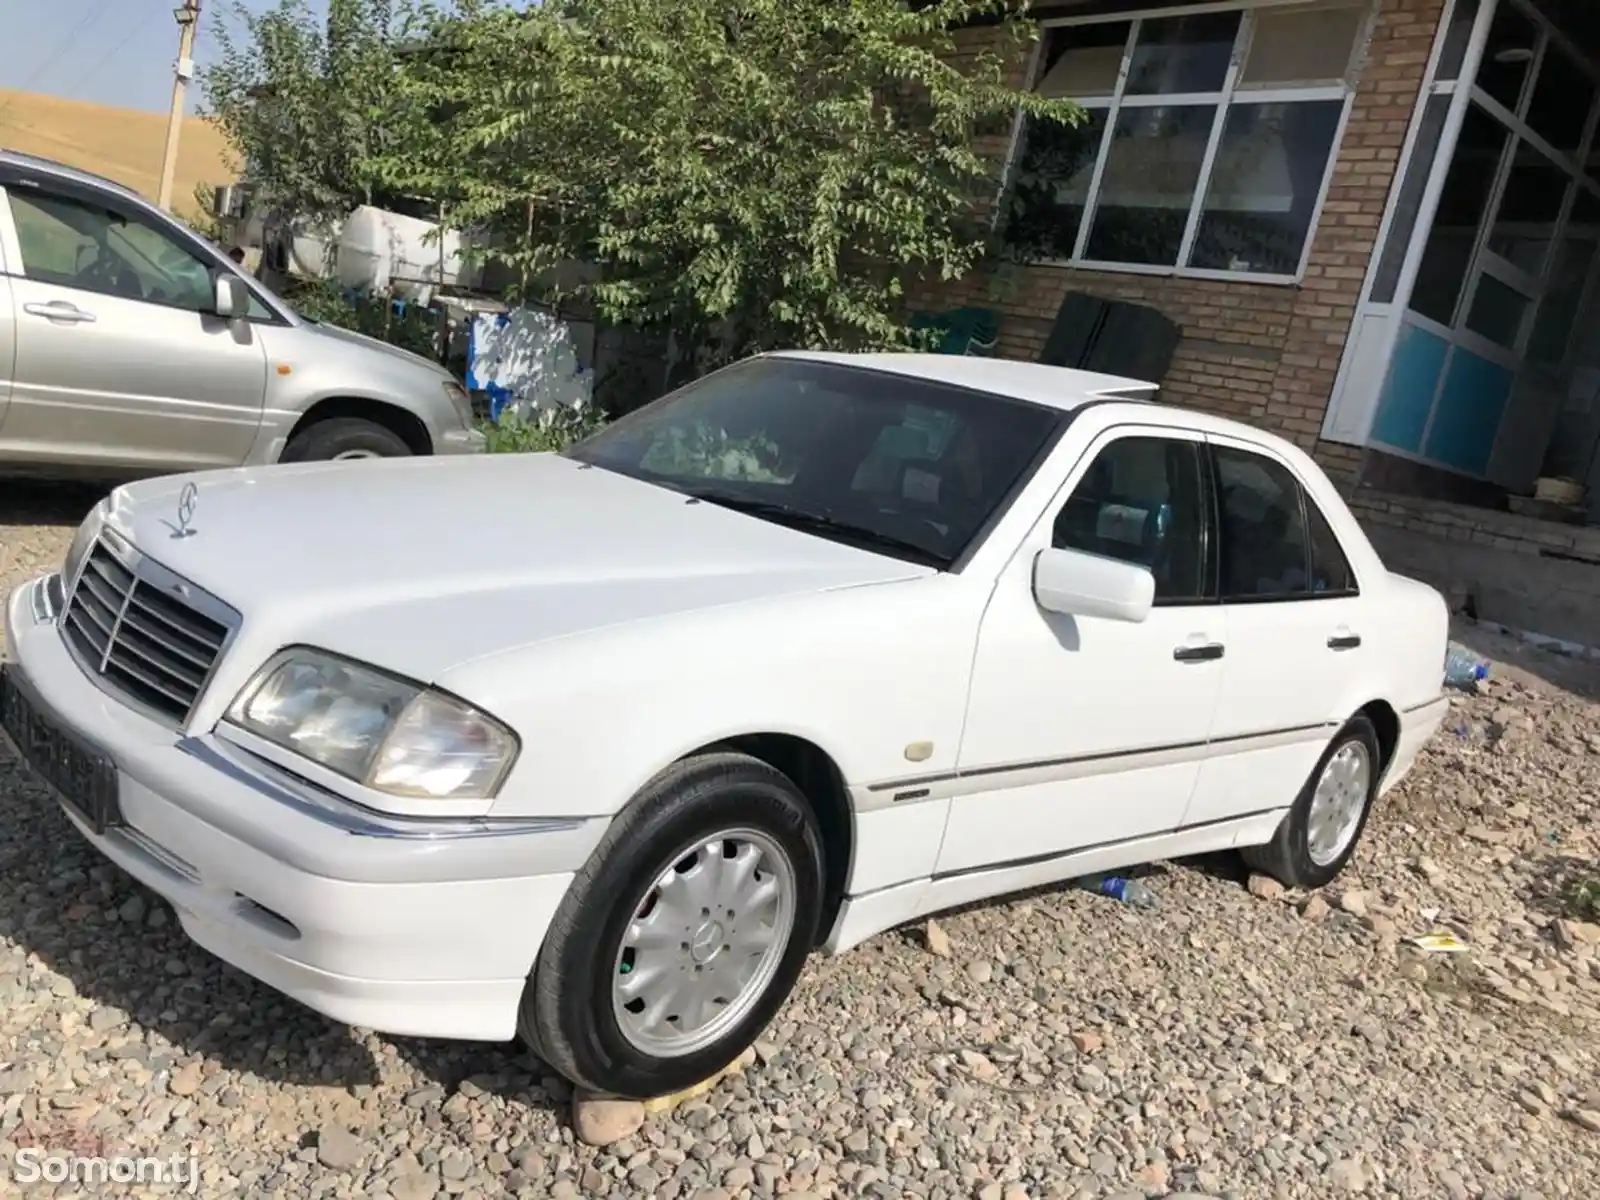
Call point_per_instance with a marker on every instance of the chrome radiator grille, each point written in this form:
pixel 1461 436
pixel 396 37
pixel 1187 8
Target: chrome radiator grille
pixel 144 632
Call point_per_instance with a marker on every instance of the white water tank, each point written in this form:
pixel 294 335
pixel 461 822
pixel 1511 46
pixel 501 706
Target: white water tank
pixel 311 257
pixel 379 250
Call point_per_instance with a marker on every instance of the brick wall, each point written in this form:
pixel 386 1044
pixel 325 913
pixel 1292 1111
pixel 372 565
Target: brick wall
pixel 1264 353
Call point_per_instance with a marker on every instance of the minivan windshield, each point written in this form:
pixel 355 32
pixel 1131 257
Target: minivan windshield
pixel 908 467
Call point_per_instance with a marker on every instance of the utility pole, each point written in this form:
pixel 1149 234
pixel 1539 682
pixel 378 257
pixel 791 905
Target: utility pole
pixel 188 18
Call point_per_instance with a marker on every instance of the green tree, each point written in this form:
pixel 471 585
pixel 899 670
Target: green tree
pixel 746 174
pixel 311 104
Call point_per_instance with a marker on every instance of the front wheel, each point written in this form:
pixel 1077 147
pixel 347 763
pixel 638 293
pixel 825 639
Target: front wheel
pixel 683 934
pixel 339 439
pixel 1320 832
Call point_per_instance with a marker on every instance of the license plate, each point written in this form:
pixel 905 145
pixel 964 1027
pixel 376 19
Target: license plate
pixel 84 779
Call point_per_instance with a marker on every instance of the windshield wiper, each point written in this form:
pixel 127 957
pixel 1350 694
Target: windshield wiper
pixel 816 522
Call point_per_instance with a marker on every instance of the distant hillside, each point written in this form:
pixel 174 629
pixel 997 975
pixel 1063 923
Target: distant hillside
pixel 120 143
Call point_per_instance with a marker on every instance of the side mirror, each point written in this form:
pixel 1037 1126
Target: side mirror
pixel 232 298
pixel 1075 584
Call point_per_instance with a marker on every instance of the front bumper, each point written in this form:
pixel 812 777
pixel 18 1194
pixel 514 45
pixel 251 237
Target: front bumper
pixel 406 927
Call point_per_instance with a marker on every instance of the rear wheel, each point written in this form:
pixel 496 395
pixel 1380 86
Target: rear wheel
pixel 1320 832
pixel 684 933
pixel 342 438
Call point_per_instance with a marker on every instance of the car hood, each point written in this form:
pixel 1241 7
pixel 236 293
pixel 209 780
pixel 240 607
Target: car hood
pixel 361 341
pixel 419 565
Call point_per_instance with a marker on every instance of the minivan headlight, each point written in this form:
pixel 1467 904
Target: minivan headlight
pixel 386 733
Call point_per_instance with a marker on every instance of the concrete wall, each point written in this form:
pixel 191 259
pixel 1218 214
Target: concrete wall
pixel 1531 575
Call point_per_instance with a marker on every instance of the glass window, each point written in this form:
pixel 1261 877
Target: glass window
pixel 1404 226
pixel 73 244
pixel 1525 226
pixel 1260 194
pixel 1148 186
pixel 890 463
pixel 1563 97
pixel 1083 60
pixel 1175 55
pixel 1454 51
pixel 1302 45
pixel 1264 186
pixel 1141 502
pixel 1050 186
pixel 1463 204
pixel 1497 311
pixel 1508 56
pixel 1330 569
pixel 1263 537
pixel 1569 280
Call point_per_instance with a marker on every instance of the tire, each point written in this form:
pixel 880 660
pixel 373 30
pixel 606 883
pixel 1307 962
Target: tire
pixel 345 437
pixel 580 1016
pixel 1315 841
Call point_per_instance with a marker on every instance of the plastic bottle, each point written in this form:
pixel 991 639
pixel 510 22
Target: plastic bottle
pixel 1118 887
pixel 1464 669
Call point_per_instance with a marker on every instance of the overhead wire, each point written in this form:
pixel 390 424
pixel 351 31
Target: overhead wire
pixel 89 19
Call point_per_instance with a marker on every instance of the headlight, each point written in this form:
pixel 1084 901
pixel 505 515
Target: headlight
pixel 81 541
pixel 461 399
pixel 388 734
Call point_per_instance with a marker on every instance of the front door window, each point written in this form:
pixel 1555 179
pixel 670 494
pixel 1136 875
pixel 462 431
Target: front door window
pixel 78 245
pixel 1141 501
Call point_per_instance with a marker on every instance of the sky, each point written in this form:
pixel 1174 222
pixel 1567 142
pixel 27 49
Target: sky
pixel 118 52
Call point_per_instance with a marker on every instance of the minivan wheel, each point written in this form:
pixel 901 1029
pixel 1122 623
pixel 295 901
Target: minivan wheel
pixel 344 438
pixel 1318 836
pixel 684 933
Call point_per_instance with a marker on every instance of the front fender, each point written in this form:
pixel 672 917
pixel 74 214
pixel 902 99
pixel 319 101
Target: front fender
pixel 862 673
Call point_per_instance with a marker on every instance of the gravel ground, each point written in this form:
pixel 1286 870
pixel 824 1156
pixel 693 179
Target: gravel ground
pixel 1235 1042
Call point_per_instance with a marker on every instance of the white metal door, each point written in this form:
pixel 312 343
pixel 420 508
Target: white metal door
pixel 1413 201
pixel 1083 731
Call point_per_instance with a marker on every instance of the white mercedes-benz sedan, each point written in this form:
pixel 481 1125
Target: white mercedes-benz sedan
pixel 596 748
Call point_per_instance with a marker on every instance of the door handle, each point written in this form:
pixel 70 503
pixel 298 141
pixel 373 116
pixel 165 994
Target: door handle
pixel 1344 641
pixel 1186 654
pixel 60 310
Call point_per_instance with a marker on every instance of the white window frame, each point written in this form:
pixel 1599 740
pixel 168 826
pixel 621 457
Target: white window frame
pixel 1222 100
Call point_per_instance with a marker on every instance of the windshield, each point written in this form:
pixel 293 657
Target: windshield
pixel 906 466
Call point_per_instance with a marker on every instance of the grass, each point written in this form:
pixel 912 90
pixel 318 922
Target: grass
pixel 1582 898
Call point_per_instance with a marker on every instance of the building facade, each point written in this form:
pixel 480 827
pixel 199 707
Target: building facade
pixel 1377 226
pixel 1375 221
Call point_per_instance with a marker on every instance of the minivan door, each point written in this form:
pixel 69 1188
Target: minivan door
pixel 120 361
pixel 8 339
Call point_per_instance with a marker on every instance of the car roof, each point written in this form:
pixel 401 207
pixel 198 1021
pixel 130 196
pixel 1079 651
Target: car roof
pixel 33 162
pixel 1063 388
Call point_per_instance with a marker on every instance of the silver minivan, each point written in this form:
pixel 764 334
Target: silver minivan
pixel 129 345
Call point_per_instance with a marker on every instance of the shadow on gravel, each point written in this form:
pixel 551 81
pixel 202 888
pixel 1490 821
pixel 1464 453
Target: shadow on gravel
pixel 1577 676
pixel 1152 875
pixel 1225 866
pixel 25 501
pixel 503 1069
pixel 120 947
